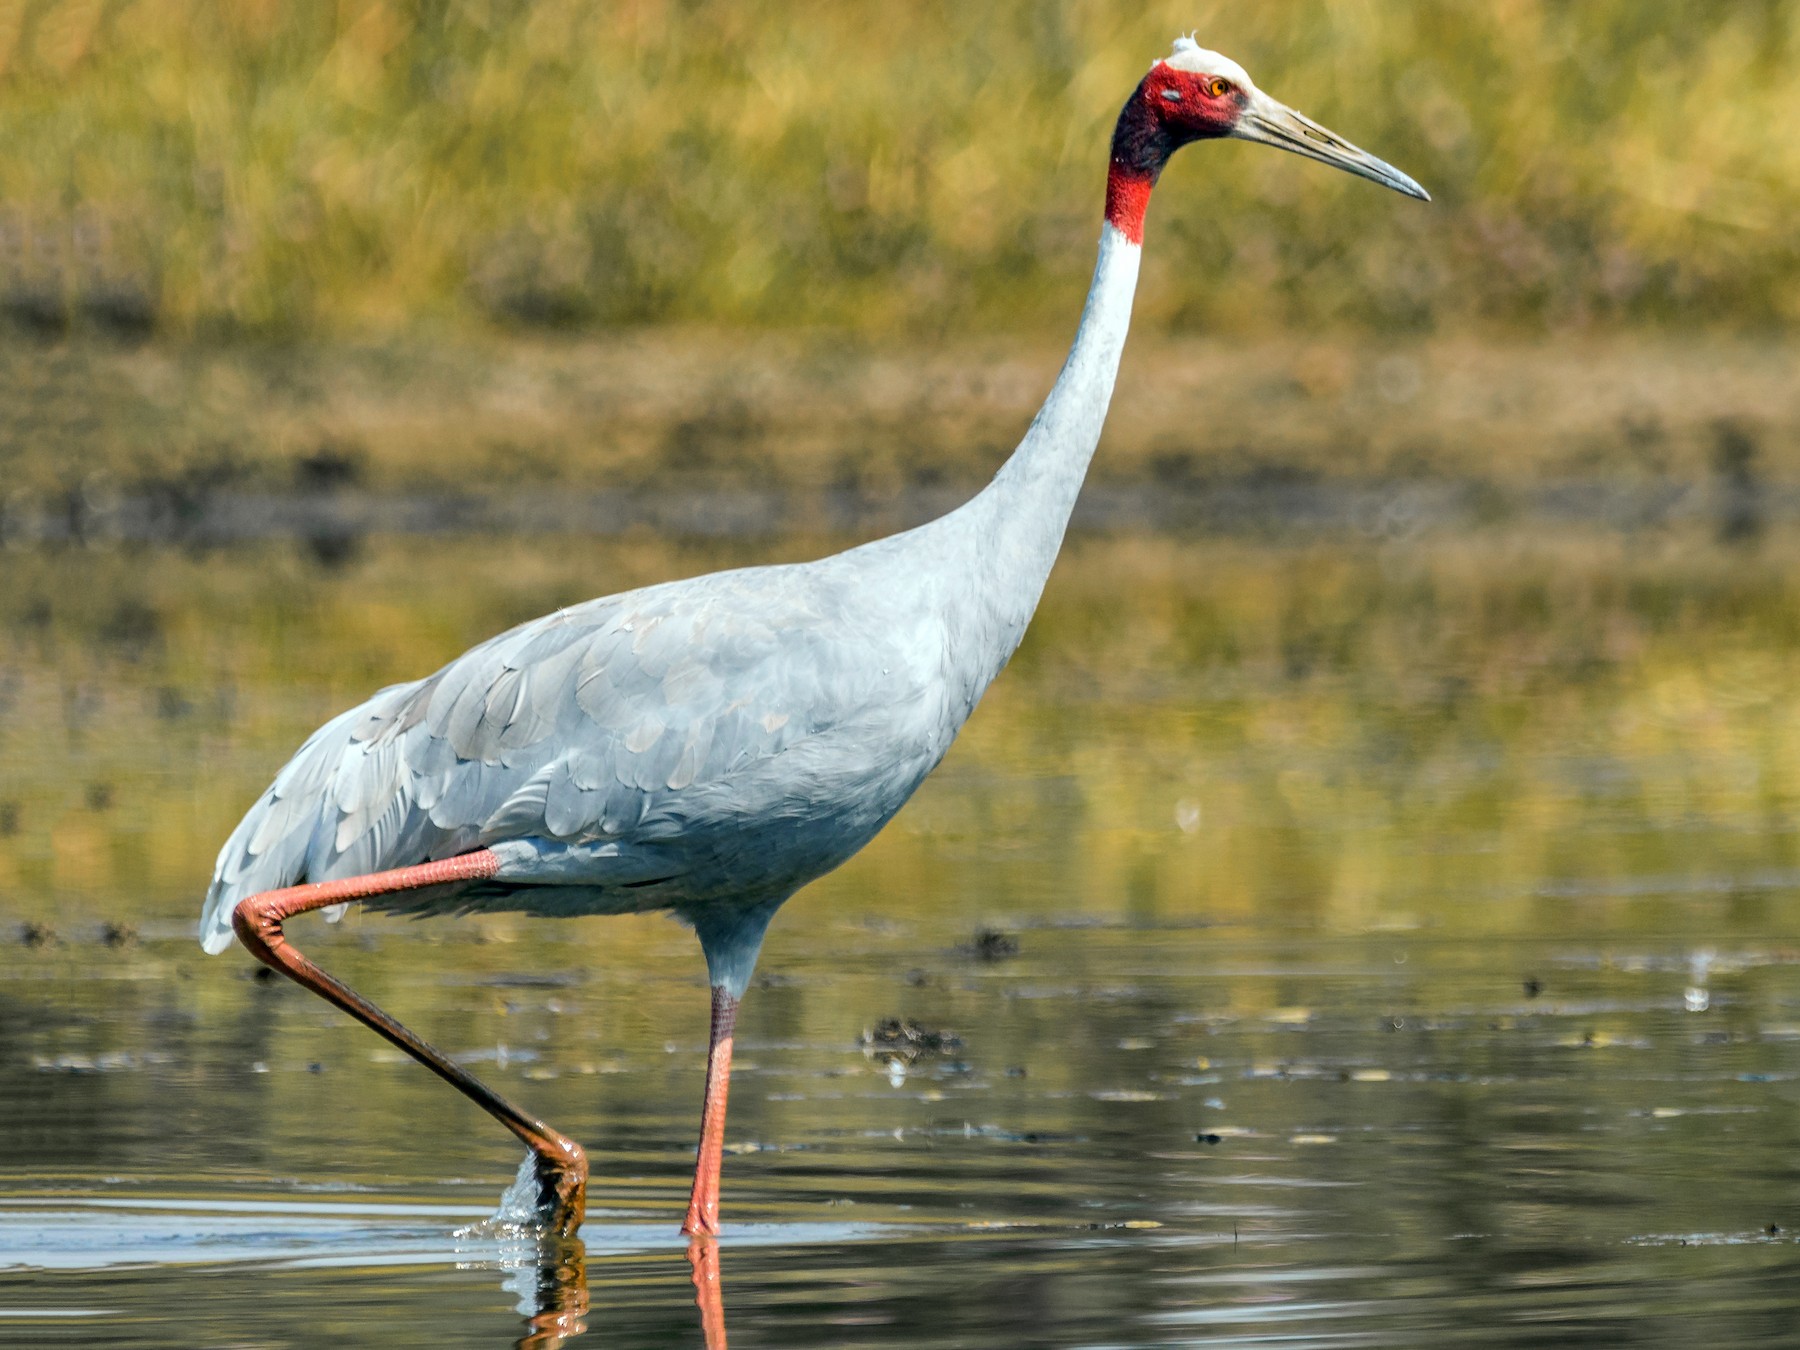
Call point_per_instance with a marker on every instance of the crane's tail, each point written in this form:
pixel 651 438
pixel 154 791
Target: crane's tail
pixel 273 843
pixel 215 919
pixel 240 873
pixel 343 806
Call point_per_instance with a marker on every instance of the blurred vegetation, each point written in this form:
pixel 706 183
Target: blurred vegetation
pixel 373 165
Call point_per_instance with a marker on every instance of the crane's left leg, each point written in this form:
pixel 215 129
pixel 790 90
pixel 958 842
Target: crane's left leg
pixel 561 1165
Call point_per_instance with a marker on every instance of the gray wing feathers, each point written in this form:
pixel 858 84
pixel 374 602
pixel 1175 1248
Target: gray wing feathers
pixel 594 723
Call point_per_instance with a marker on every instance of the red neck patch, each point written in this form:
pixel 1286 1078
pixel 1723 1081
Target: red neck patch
pixel 1127 197
pixel 1141 145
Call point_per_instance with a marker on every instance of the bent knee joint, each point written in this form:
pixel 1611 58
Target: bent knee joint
pixel 257 924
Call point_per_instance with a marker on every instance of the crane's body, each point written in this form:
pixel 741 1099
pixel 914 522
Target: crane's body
pixel 709 743
pixel 709 746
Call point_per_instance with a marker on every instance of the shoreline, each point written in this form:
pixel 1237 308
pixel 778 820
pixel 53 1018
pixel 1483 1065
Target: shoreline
pixel 331 524
pixel 741 432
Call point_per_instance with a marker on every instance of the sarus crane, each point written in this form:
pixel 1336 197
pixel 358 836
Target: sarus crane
pixel 708 746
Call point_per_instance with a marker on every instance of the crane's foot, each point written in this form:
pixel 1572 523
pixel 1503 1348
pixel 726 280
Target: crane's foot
pixel 562 1173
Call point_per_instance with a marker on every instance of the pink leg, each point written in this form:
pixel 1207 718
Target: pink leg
pixel 703 1205
pixel 562 1166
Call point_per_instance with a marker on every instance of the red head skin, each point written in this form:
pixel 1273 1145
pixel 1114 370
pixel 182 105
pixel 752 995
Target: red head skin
pixel 1167 111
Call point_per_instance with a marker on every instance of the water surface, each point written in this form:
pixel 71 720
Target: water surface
pixel 1405 956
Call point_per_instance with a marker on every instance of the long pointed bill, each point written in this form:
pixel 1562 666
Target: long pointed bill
pixel 1270 123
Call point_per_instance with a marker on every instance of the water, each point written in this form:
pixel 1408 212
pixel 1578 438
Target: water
pixel 1405 956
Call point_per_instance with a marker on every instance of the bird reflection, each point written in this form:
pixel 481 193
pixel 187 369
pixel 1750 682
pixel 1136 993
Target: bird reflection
pixel 556 1306
pixel 709 1291
pixel 556 1295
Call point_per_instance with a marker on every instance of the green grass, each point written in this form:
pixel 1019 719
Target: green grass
pixel 357 168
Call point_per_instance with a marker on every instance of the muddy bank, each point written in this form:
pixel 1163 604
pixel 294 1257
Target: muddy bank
pixel 726 435
pixel 332 525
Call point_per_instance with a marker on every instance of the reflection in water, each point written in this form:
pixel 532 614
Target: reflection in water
pixel 709 1291
pixel 553 1295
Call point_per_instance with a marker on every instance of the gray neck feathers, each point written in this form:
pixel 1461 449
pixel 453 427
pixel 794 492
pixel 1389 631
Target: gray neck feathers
pixel 1014 528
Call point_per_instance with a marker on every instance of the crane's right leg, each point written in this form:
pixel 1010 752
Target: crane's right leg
pixel 561 1165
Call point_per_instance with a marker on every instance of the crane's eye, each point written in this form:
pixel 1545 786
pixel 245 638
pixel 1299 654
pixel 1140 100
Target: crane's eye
pixel 1217 87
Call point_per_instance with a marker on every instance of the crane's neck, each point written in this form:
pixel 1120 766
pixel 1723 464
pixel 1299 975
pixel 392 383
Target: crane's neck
pixel 1035 490
pixel 1014 528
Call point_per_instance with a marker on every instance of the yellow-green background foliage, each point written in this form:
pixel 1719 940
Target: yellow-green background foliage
pixel 375 165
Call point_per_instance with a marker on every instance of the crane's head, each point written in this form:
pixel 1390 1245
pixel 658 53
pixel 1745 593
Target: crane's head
pixel 1196 95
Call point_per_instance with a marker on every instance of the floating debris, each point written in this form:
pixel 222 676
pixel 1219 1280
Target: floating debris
pixel 38 935
pixel 903 1041
pixel 993 944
